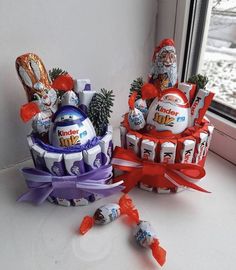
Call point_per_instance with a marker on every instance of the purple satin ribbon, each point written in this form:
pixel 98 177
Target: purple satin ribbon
pixel 41 184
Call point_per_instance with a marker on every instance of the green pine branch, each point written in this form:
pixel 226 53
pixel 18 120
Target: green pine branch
pixel 100 109
pixel 55 72
pixel 136 85
pixel 200 80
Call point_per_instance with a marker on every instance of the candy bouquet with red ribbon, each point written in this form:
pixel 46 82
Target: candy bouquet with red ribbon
pixel 165 136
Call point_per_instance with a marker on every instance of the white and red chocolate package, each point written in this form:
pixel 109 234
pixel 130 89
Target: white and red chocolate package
pixel 168 151
pixel 189 90
pixel 201 141
pixel 199 106
pixel 186 147
pixel 148 149
pixel 133 142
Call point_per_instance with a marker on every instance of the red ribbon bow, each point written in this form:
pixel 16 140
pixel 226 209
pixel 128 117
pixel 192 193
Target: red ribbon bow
pixel 154 174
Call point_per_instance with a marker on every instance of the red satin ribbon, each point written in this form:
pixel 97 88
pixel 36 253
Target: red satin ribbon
pixel 154 174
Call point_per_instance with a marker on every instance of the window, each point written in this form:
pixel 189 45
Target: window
pixel 201 49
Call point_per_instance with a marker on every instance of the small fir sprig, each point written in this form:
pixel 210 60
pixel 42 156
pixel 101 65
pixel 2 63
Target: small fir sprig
pixel 100 109
pixel 200 80
pixel 55 72
pixel 136 85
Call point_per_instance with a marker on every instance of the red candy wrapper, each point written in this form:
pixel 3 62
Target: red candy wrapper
pixel 144 234
pixel 200 105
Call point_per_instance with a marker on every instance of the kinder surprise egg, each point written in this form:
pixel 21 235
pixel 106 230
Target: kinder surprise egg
pixel 70 126
pixel 170 111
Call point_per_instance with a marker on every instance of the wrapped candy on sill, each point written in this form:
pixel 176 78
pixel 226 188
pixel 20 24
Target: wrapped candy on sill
pixel 143 232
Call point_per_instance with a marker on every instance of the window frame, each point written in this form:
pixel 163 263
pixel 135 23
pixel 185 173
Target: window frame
pixel 181 28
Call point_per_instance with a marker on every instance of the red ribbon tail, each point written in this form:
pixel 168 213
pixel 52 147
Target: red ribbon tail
pixel 130 179
pixel 179 180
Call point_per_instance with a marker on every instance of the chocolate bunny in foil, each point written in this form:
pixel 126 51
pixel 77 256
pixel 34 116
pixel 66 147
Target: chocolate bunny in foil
pixel 36 83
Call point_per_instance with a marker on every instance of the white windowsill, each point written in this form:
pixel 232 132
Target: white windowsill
pixel 197 230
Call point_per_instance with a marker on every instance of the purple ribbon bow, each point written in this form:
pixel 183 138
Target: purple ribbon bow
pixel 41 184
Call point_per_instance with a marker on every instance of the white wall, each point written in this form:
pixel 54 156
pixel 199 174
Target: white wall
pixel 109 41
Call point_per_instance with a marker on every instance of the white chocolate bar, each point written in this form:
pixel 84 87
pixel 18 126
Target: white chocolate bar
pixel 74 163
pixel 132 143
pixel 187 151
pixel 38 155
pixel 92 158
pixel 200 147
pixel 167 153
pixel 210 133
pixel 123 132
pixel 148 150
pixel 79 85
pixel 54 163
pixel 106 148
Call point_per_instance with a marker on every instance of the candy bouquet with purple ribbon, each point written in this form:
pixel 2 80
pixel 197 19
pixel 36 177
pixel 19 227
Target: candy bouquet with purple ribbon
pixel 71 139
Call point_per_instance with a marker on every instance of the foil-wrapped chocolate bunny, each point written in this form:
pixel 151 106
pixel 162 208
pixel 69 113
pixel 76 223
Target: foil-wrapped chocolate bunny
pixel 36 82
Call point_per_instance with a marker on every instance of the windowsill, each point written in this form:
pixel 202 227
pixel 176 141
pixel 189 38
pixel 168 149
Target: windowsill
pixel 196 229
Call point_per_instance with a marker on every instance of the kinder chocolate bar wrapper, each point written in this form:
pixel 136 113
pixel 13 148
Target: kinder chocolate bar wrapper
pixel 82 85
pixel 38 156
pixel 74 163
pixel 187 151
pixel 200 105
pixel 189 90
pixel 92 158
pixel 167 152
pixel 132 142
pixel 210 130
pixel 55 163
pixel 201 141
pixel 123 132
pixel 85 98
pixel 148 150
pixel 106 148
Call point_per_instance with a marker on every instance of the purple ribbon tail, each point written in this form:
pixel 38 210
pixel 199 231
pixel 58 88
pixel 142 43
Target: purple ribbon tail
pixel 36 195
pixel 105 192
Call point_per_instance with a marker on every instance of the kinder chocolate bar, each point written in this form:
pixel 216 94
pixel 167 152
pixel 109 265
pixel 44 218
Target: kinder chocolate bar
pixel 106 148
pixel 82 85
pixel 210 130
pixel 123 132
pixel 132 142
pixel 92 158
pixel 74 163
pixel 167 153
pixel 55 163
pixel 38 156
pixel 187 151
pixel 85 98
pixel 200 105
pixel 148 150
pixel 189 90
pixel 201 140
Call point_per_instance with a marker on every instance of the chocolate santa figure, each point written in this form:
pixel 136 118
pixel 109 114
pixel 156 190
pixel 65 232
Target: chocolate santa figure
pixel 164 65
